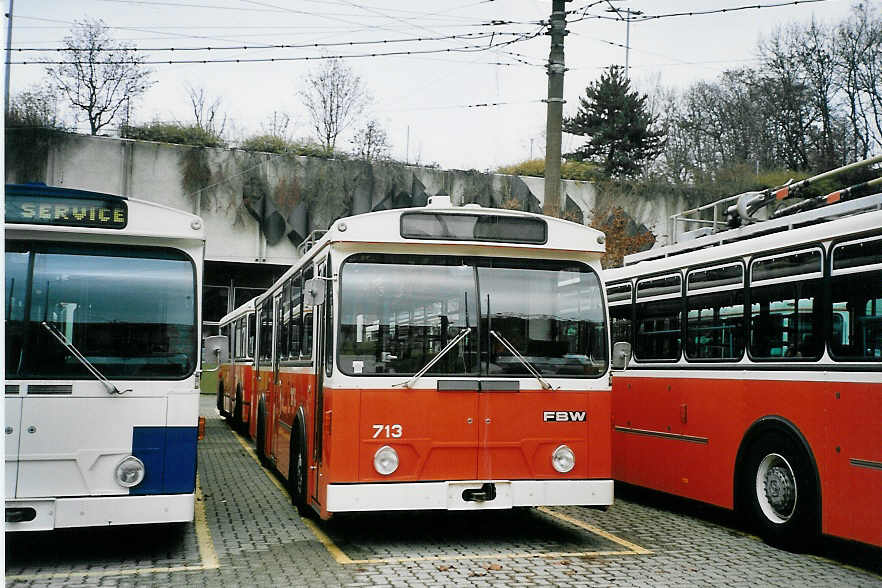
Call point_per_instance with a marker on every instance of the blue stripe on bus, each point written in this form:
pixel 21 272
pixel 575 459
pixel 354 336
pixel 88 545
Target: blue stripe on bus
pixel 169 456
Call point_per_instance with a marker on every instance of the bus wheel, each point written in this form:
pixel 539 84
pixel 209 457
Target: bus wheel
pixel 297 474
pixel 781 491
pixel 220 399
pixel 237 411
pixel 260 438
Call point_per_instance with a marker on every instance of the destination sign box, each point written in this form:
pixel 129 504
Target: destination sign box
pixel 46 209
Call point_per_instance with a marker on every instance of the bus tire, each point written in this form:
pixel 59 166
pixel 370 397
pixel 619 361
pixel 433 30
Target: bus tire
pixel 297 473
pixel 260 437
pixel 237 410
pixel 220 399
pixel 780 491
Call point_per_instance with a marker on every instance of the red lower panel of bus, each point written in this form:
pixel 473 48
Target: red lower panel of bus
pixel 466 435
pixel 682 436
pixel 238 378
pixel 438 435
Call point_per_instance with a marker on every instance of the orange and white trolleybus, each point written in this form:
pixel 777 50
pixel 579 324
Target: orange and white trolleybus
pixel 102 300
pixel 755 378
pixel 236 378
pixel 438 358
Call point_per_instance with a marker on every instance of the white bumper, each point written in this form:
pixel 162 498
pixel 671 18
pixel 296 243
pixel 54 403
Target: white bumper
pixel 449 495
pixel 94 511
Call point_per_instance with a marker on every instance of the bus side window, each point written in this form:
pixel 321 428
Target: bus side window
pixel 620 323
pixel 284 322
pixel 306 339
pixel 856 325
pixel 658 330
pixel 252 333
pixel 296 318
pixel 715 325
pixel 783 321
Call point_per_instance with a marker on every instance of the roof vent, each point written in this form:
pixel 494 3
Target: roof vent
pixel 439 201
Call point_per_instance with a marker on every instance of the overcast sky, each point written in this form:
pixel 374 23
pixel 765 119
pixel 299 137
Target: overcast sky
pixel 427 103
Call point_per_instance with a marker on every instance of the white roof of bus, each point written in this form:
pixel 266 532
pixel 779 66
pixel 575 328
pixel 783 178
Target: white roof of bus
pixel 714 252
pixel 563 235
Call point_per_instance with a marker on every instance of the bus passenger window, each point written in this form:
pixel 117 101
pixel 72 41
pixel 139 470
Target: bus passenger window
pixel 715 325
pixel 296 319
pixel 784 320
pixel 620 324
pixel 265 348
pixel 306 340
pixel 857 317
pixel 658 330
pixel 252 333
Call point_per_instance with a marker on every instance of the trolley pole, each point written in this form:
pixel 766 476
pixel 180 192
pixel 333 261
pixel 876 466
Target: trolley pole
pixel 555 101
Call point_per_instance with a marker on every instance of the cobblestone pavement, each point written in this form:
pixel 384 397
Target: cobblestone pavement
pixel 247 533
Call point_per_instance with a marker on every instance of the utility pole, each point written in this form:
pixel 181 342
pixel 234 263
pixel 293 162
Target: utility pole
pixel 555 101
pixel 8 56
pixel 629 14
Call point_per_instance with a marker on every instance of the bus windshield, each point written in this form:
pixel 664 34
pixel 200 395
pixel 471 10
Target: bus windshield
pixel 398 312
pixel 129 310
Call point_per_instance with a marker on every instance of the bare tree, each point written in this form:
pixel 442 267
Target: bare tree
pixel 859 52
pixel 277 124
pixel 335 98
pixel 98 75
pixel 372 142
pixel 206 111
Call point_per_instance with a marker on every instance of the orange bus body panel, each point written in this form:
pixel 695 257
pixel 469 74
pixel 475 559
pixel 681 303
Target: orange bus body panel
pixel 712 416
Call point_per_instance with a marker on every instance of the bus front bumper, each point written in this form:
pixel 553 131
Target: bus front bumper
pixel 468 495
pixel 44 514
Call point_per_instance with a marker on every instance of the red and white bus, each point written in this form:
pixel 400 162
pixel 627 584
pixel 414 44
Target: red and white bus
pixel 236 378
pixel 438 358
pixel 755 381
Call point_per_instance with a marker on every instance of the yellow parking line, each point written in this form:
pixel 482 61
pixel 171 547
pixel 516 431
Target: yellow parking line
pixel 636 549
pixel 339 556
pixel 207 555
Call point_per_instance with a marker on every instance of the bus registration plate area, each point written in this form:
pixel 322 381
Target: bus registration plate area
pixel 474 495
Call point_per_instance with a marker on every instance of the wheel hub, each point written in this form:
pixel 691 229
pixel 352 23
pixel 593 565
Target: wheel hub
pixel 779 490
pixel 776 489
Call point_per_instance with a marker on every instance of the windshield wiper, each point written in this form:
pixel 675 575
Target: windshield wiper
pixel 409 383
pixel 82 359
pixel 530 367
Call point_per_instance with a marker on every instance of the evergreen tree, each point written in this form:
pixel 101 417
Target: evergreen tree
pixel 618 125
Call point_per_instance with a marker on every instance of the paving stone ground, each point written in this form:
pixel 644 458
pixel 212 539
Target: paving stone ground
pixel 257 539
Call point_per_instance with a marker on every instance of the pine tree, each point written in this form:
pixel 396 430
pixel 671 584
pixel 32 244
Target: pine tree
pixel 618 125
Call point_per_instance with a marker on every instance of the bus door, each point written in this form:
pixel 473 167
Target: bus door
pixel 323 353
pixel 276 441
pixel 263 367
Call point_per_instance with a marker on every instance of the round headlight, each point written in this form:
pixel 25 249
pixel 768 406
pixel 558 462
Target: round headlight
pixel 130 472
pixel 563 459
pixel 385 460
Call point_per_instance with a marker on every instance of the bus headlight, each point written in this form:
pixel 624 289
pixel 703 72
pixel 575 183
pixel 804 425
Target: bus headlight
pixel 385 460
pixel 130 472
pixel 563 459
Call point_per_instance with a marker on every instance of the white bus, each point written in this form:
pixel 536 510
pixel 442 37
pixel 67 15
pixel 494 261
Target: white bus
pixel 102 302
